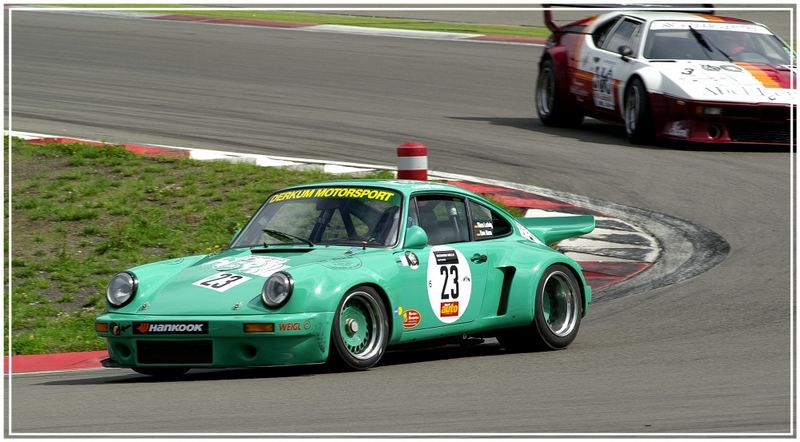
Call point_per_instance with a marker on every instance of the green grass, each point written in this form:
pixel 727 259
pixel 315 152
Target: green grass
pixel 349 20
pixel 80 214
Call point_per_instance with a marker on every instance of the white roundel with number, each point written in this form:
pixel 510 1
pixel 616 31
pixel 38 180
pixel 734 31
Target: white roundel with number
pixel 449 283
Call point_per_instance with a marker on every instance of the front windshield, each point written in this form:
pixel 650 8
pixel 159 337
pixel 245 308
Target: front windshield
pixel 719 41
pixel 352 216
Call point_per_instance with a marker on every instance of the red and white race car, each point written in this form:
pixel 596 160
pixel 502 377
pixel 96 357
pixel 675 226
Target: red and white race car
pixel 677 75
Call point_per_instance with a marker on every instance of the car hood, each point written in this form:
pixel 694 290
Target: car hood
pixel 724 81
pixel 230 282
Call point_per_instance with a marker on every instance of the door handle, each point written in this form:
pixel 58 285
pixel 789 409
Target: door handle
pixel 478 258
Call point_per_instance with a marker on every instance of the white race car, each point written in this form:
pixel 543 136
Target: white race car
pixel 679 75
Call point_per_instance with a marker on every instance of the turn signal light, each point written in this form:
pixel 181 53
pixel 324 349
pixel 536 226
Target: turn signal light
pixel 101 327
pixel 259 327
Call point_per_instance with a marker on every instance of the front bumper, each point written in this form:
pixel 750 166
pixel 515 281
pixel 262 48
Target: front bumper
pixel 730 123
pixel 215 341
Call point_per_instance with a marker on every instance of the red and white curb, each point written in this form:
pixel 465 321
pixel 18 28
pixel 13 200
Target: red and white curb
pixel 615 251
pixel 298 26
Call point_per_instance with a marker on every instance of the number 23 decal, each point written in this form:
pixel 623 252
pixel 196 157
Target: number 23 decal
pixel 452 271
pixel 449 281
pixel 221 282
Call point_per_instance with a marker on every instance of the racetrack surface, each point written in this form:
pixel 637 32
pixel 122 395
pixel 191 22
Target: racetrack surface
pixel 711 354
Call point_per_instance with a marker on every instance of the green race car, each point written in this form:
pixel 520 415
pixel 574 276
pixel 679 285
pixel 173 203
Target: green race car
pixel 340 271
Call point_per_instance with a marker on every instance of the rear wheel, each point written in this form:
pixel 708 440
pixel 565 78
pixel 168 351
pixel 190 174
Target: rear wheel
pixel 557 314
pixel 638 115
pixel 360 331
pixel 551 109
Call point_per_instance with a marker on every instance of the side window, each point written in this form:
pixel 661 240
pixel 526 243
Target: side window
pixel 601 33
pixel 486 223
pixel 628 33
pixel 444 218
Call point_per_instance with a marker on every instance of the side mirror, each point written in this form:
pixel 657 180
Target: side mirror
pixel 416 238
pixel 625 52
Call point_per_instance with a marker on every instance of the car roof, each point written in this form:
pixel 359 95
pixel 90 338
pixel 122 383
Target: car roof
pixel 673 15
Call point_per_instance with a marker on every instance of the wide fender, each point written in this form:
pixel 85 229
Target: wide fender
pixel 320 287
pixel 653 80
pixel 151 277
pixel 530 269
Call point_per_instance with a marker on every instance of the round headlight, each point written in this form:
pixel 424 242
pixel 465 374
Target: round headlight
pixel 121 289
pixel 277 289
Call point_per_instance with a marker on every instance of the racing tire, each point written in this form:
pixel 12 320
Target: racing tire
pixel 638 115
pixel 550 107
pixel 360 331
pixel 558 308
pixel 162 372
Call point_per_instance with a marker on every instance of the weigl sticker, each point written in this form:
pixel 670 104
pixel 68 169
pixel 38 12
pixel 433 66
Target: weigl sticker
pixel 449 283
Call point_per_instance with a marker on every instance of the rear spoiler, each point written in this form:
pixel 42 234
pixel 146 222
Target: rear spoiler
pixel 554 229
pixel 704 8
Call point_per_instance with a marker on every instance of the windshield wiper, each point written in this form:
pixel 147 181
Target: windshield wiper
pixel 706 45
pixel 286 236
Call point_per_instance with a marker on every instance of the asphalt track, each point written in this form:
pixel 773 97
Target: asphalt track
pixel 707 355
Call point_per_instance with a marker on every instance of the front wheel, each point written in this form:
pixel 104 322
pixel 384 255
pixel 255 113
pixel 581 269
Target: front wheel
pixel 638 115
pixel 557 314
pixel 360 331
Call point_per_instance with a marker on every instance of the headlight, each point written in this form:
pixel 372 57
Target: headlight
pixel 121 289
pixel 277 289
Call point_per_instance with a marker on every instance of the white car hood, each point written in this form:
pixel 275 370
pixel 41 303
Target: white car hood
pixel 724 81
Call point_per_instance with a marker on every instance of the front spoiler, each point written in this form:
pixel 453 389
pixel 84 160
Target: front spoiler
pixel 296 339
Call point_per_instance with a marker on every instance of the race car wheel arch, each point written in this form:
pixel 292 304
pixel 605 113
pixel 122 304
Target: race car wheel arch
pixel 637 112
pixel 360 330
pixel 551 105
pixel 558 305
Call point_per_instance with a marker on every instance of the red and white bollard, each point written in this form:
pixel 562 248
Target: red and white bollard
pixel 412 161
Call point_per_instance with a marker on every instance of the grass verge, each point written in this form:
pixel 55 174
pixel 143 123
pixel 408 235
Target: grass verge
pixel 349 20
pixel 80 214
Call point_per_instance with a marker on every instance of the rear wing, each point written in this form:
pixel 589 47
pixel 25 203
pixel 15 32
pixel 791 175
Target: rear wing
pixel 556 228
pixel 551 24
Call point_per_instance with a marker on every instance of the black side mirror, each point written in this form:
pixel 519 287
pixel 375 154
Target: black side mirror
pixel 625 51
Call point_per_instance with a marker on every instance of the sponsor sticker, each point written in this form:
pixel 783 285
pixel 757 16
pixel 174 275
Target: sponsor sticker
pixel 527 233
pixel 170 328
pixel 703 25
pixel 334 192
pixel 263 266
pixel 449 309
pixel 221 282
pixel 603 86
pixel 289 326
pixel 449 283
pixel 409 259
pixel 411 318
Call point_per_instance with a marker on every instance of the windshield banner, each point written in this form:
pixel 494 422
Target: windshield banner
pixel 708 26
pixel 334 192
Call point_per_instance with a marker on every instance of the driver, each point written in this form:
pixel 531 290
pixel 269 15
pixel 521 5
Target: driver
pixel 731 42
